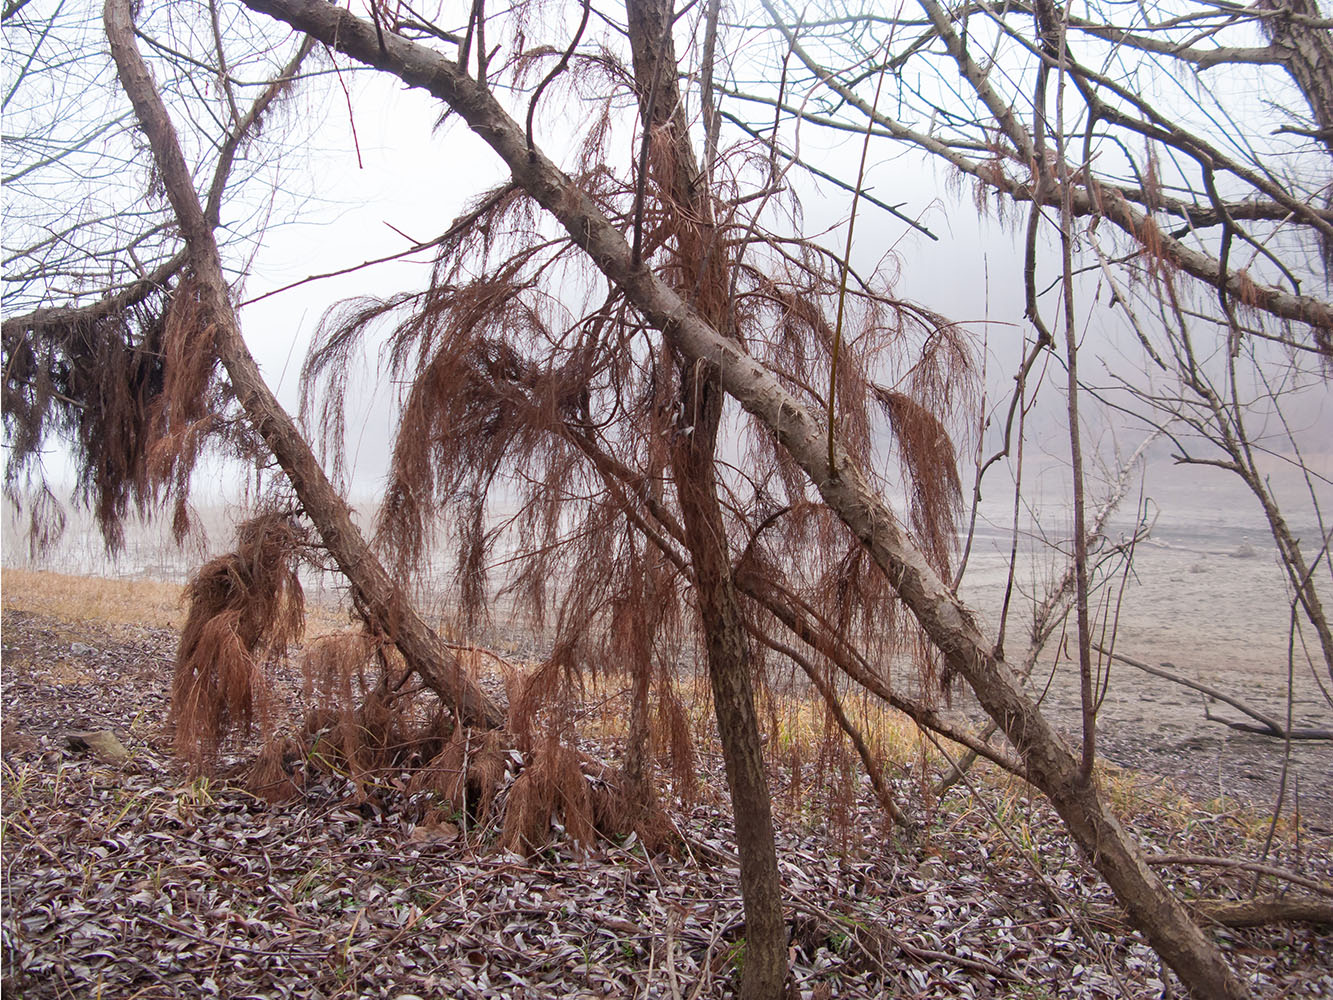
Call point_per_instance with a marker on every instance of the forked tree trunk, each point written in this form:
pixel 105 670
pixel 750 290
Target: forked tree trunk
pixel 1052 767
pixel 383 605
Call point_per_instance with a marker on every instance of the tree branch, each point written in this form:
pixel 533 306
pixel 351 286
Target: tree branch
pixel 386 609
pixel 950 625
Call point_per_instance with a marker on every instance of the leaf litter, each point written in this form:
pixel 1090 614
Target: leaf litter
pixel 136 881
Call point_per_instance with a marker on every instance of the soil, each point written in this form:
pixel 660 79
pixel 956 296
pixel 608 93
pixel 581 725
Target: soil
pixel 1153 725
pixel 1208 603
pixel 1156 727
pixel 137 880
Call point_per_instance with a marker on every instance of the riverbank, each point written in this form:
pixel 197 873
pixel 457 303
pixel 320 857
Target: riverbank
pixel 131 876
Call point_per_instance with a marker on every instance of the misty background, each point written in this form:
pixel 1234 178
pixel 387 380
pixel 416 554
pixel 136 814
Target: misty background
pixel 361 177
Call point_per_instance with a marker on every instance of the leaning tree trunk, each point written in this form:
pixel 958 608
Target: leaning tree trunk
pixel 684 224
pixel 383 605
pixel 951 626
pixel 1309 60
pixel 1308 56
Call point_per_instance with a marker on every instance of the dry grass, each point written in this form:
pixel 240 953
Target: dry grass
pixel 94 599
pixel 109 601
pixel 796 725
pixel 803 719
pixel 1160 802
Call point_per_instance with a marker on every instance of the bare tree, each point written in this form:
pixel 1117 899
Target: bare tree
pixel 585 328
pixel 1213 220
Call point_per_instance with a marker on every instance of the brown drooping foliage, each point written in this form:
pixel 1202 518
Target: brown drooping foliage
pixel 273 774
pixel 370 726
pixel 538 388
pixel 467 773
pixel 132 389
pixel 543 414
pixel 846 483
pixel 243 606
pixel 927 454
pixel 552 783
pixel 56 384
pixel 515 405
pixel 533 797
pixel 688 358
pixel 128 379
pixel 589 798
pixel 530 388
pixel 367 719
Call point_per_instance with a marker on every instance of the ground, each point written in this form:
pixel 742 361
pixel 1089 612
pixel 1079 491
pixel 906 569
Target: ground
pixel 132 879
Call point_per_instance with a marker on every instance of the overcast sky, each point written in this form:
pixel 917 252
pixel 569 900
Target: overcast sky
pixel 355 201
pixel 415 180
pixel 411 179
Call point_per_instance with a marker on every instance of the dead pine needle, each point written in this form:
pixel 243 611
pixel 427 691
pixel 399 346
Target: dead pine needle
pixel 242 606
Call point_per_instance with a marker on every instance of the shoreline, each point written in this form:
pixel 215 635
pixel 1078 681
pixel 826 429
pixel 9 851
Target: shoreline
pixel 1146 724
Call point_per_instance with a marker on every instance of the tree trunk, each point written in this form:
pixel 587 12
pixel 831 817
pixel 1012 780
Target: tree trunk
pixel 686 215
pixel 378 599
pixel 950 625
pixel 1300 575
pixel 764 973
pixel 1308 56
pixel 638 772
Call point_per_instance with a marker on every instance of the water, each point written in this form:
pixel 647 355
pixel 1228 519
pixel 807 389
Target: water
pixel 1189 600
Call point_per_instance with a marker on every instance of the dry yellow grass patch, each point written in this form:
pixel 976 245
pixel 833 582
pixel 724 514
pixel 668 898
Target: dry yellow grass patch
pixel 93 599
pixel 122 602
pixel 802 717
pixel 1137 793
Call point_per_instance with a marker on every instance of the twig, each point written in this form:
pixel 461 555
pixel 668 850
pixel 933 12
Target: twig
pixel 911 950
pixel 671 965
pixel 1249 912
pixel 1269 726
pixel 176 928
pixel 842 286
pixel 1321 888
pixel 1271 910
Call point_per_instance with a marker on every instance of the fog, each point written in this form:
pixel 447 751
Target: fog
pixel 364 177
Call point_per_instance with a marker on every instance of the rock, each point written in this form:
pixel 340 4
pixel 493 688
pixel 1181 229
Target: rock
pixel 101 743
pixel 441 832
pixel 931 869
